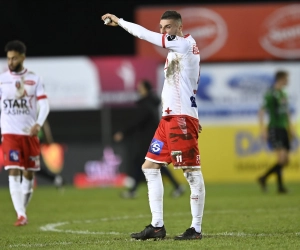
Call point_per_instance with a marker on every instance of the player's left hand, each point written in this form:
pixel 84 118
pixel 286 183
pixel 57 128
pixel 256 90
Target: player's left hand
pixel 199 128
pixel 35 130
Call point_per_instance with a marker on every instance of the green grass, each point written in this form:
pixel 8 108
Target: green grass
pixel 236 216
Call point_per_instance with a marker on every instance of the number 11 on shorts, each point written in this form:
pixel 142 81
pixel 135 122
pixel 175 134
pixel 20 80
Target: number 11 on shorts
pixel 177 155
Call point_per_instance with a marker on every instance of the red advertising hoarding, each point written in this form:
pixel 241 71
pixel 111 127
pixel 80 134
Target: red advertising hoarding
pixel 231 32
pixel 119 77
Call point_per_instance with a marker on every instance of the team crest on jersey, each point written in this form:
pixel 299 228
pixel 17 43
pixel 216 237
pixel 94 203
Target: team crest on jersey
pixel 156 147
pixel 171 37
pixel 195 50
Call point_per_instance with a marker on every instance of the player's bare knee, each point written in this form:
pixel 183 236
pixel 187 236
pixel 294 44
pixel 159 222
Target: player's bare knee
pixel 284 160
pixel 150 165
pixel 14 172
pixel 28 175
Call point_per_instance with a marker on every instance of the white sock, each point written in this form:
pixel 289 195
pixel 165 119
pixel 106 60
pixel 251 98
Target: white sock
pixel 16 194
pixel 27 190
pixel 196 182
pixel 155 194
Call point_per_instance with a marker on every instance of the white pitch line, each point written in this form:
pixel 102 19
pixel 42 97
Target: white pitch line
pixel 53 227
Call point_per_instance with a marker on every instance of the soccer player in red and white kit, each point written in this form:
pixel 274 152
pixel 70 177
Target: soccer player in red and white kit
pixel 24 109
pixel 176 138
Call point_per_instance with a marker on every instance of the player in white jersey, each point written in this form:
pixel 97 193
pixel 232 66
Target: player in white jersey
pixel 21 92
pixel 176 138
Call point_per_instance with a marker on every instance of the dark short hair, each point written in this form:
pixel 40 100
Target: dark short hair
pixel 280 74
pixel 15 45
pixel 171 14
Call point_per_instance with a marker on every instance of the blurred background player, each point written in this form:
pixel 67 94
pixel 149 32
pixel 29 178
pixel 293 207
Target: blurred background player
pixel 279 130
pixel 141 131
pixel 22 92
pixel 45 137
pixel 176 138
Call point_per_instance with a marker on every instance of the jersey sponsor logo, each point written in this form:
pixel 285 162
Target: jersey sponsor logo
pixel 193 102
pixel 171 37
pixel 156 146
pixel 13 103
pixel 14 155
pixel 29 82
pixel 16 106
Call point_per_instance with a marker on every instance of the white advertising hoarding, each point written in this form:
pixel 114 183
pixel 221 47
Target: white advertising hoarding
pixel 71 83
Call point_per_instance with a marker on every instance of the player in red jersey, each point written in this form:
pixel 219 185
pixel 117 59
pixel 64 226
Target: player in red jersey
pixel 176 138
pixel 24 109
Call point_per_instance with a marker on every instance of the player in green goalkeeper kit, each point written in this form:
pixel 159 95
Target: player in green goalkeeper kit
pixel 278 132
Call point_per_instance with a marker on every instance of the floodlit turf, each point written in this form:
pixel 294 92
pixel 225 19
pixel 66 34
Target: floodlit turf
pixel 237 216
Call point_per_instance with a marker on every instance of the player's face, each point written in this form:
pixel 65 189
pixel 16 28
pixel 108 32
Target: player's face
pixel 170 26
pixel 285 81
pixel 15 60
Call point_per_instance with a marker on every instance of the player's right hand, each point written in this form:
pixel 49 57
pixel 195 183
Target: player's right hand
pixel 35 130
pixel 114 19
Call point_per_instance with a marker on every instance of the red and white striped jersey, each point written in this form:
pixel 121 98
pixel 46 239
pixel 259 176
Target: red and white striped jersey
pixel 182 69
pixel 19 94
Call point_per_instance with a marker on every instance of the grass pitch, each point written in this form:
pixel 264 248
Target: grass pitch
pixel 236 216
